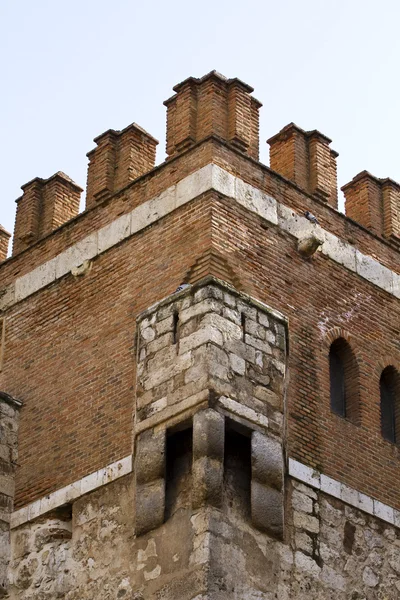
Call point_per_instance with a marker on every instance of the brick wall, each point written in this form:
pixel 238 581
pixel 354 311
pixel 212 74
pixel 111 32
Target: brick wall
pixel 70 353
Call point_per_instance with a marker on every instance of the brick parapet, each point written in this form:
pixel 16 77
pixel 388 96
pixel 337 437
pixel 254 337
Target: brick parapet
pixel 375 203
pixel 305 158
pixel 213 105
pixel 44 206
pixel 4 242
pixel 119 158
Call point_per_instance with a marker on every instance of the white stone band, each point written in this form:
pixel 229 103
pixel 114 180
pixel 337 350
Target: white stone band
pixel 210 177
pixel 72 491
pixel 122 467
pixel 343 492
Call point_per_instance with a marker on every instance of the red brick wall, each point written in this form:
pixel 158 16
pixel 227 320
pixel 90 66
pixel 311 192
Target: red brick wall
pixel 69 353
pixel 270 266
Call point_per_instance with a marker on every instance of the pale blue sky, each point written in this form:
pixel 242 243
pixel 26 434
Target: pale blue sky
pixel 70 69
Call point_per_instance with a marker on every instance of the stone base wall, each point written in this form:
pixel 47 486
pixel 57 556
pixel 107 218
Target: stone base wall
pixel 330 551
pixel 9 422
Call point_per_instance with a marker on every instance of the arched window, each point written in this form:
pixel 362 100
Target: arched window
pixel 389 386
pixel 344 385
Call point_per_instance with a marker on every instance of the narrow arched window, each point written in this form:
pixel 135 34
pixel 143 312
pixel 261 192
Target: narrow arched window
pixel 343 378
pixel 389 386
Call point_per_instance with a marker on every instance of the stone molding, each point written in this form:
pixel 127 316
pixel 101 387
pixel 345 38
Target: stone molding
pixel 343 492
pixel 210 177
pixel 72 491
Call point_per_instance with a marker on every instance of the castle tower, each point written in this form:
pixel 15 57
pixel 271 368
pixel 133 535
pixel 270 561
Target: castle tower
pixel 200 373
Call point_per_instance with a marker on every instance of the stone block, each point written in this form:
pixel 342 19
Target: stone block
pixel 243 412
pixel 159 343
pixel 257 201
pixel 207 476
pixel 304 473
pixel 208 435
pixel 339 251
pixel 223 182
pixel 238 365
pixel 263 319
pixel 307 564
pixel 373 271
pixel 115 232
pixel 208 291
pixel 396 286
pixel 202 336
pixel 165 325
pixel 194 185
pixel 230 330
pixel 150 456
pixel 255 329
pixel 7 485
pixel 153 378
pixel 7 296
pixel 267 509
pixel 266 460
pixel 330 486
pixel 230 300
pixel 238 347
pixel 247 310
pixel 145 214
pixel 306 522
pixel 76 255
pixel 294 224
pixel 365 503
pixel 35 280
pixel 200 308
pixel 232 315
pixel 258 344
pixel 268 396
pixel 383 511
pixel 302 502
pixel 150 506
pixel 349 495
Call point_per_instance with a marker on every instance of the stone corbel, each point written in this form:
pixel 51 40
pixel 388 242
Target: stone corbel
pixel 150 480
pixel 267 498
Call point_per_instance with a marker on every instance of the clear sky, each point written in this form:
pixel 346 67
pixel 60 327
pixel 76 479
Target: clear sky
pixel 71 69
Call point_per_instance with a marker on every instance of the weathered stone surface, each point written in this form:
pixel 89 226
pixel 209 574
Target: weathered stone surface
pixel 207 553
pixel 9 423
pixel 208 458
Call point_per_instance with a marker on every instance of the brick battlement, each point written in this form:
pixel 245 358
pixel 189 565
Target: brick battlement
pixel 210 107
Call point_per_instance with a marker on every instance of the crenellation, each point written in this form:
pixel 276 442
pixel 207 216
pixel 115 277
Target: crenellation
pixel 212 105
pixel 375 203
pixel 45 205
pixel 305 158
pixel 4 242
pixel 119 158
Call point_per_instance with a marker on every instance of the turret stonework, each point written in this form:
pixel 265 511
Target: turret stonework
pixel 200 373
